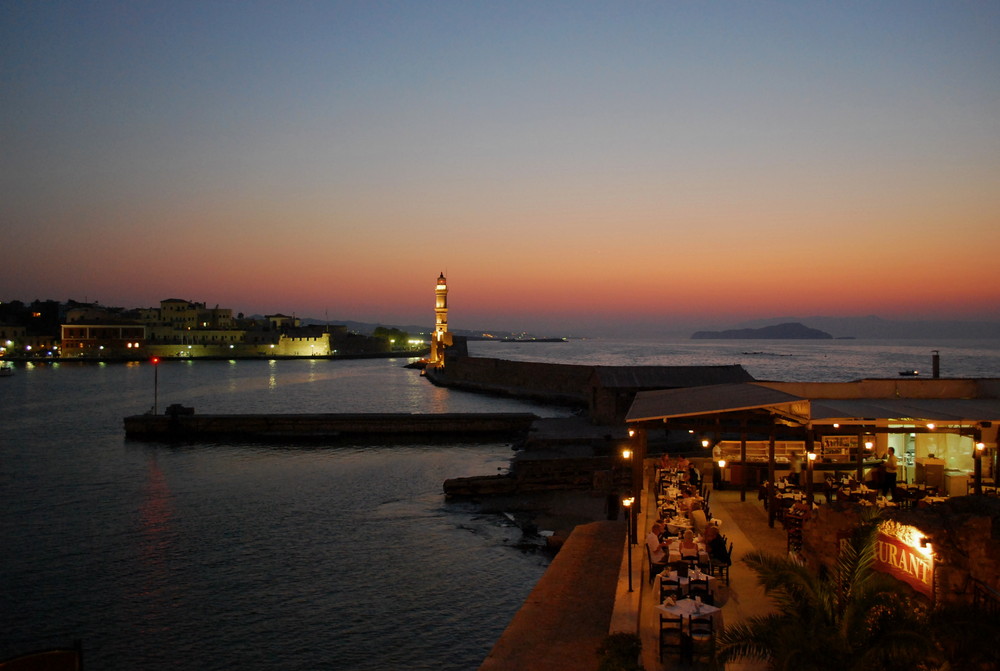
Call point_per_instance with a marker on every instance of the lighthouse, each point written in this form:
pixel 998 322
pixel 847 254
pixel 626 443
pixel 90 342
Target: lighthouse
pixel 441 337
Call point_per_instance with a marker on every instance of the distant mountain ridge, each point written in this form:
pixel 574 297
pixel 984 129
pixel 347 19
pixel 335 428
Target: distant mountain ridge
pixel 869 327
pixel 874 327
pixel 787 331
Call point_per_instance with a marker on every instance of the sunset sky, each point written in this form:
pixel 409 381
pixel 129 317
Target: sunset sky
pixel 573 167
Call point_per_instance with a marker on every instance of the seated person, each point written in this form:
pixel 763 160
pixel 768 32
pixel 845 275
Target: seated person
pixel 658 550
pixel 715 544
pixel 699 520
pixel 688 547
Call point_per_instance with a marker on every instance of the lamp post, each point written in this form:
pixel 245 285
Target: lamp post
pixel 810 458
pixel 978 465
pixel 156 382
pixel 627 502
pixel 722 474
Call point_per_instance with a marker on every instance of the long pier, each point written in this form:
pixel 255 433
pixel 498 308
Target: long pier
pixel 360 427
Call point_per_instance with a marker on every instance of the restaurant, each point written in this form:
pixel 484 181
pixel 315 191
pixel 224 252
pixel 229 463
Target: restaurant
pixel 943 433
pixel 819 457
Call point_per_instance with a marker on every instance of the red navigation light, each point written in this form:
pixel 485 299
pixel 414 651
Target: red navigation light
pixel 155 360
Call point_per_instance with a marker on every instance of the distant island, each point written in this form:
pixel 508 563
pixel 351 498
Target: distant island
pixel 791 331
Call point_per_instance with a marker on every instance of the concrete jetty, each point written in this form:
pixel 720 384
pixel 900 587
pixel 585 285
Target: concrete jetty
pixel 183 424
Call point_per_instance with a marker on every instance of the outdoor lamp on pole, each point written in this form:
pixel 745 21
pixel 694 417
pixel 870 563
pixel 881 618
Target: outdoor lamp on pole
pixel 627 502
pixel 978 468
pixel 156 381
pixel 810 458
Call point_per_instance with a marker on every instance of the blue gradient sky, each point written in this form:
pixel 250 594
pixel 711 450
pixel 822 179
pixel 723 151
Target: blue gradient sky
pixel 573 167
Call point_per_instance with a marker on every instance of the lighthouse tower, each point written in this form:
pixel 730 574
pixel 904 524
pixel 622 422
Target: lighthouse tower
pixel 441 337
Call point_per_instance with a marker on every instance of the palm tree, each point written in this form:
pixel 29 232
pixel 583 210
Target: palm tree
pixel 851 618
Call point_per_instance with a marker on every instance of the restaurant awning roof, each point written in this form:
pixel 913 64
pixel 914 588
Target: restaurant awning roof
pixel 924 409
pixel 730 398
pixel 667 403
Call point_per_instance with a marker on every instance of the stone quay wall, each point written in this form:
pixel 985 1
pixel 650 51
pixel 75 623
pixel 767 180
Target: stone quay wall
pixel 550 382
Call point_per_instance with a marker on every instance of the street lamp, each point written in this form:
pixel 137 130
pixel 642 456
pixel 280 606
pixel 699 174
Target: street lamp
pixel 156 381
pixel 977 477
pixel 627 502
pixel 810 458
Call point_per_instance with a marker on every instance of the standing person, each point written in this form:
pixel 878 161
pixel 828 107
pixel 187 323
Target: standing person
pixel 889 477
pixel 795 477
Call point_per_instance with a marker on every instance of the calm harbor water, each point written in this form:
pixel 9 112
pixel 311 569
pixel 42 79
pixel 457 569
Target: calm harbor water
pixel 289 556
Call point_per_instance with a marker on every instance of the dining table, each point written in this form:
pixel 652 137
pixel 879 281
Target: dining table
pixel 683 581
pixel 685 608
pixel 678 525
pixel 674 552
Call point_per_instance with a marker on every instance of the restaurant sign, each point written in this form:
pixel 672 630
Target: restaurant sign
pixel 902 556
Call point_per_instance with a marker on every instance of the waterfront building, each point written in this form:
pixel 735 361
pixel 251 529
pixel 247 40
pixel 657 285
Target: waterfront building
pixel 944 431
pixel 441 338
pixel 102 339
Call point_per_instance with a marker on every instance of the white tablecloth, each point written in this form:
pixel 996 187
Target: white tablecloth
pixel 672 575
pixel 685 608
pixel 678 525
pixel 675 553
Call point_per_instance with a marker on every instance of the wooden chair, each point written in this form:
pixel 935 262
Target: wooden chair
pixel 701 630
pixel 672 637
pixel 669 587
pixel 700 588
pixel 720 567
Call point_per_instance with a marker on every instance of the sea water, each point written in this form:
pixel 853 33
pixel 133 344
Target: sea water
pixel 290 556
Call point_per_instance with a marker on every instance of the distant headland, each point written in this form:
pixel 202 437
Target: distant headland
pixel 790 331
